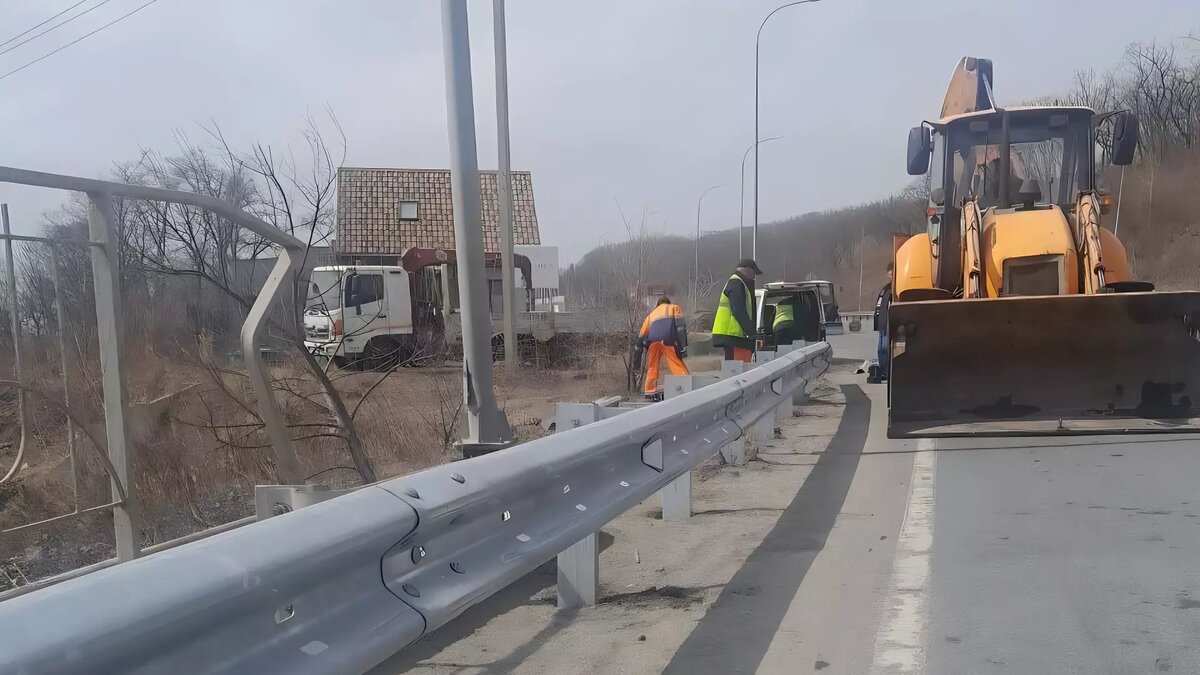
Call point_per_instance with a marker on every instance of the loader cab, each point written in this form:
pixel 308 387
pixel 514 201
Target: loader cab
pixel 1017 158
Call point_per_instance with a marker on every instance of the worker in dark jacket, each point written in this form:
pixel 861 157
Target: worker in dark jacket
pixel 734 323
pixel 663 335
pixel 882 303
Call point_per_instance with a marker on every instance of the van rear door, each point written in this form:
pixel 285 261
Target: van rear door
pixel 829 307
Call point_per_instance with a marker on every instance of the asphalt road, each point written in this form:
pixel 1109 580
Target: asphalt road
pixel 857 346
pixel 1033 555
pixel 1071 556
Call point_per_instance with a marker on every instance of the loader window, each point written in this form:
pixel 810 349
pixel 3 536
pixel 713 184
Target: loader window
pixel 1050 146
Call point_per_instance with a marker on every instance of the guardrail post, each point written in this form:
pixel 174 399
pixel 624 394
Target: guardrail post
pixel 729 368
pixel 735 452
pixel 579 573
pixel 579 564
pixel 276 500
pixel 572 415
pixel 109 331
pixel 677 495
pixel 764 427
pixel 784 410
pixel 677 498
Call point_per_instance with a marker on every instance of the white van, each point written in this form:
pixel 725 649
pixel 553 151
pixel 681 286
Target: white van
pixel 816 309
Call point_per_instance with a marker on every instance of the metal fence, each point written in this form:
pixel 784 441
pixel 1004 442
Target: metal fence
pixel 342 585
pixel 103 242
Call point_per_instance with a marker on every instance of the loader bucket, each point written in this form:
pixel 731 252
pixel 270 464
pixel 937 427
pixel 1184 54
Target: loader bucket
pixel 1045 365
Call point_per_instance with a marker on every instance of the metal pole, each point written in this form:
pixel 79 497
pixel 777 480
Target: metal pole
pixel 486 424
pixel 754 240
pixel 102 228
pixel 61 315
pixel 862 249
pixel 15 324
pixel 696 278
pixel 504 182
pixel 742 208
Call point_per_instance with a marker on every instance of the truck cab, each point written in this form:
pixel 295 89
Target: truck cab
pixel 358 312
pixel 810 298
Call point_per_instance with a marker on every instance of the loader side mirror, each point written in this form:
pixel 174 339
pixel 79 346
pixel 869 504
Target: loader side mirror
pixel 919 146
pixel 1125 138
pixel 938 196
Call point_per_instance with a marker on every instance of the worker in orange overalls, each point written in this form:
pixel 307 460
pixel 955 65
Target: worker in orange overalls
pixel 664 333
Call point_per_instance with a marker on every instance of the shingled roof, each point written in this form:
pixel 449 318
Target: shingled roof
pixel 368 210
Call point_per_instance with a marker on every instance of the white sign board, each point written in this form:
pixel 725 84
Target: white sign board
pixel 544 261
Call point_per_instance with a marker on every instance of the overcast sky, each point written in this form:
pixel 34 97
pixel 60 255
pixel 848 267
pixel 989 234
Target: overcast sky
pixel 641 102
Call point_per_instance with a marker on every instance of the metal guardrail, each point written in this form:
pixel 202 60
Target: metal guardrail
pixel 342 585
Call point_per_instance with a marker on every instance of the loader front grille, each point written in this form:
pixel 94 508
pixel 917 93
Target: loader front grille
pixel 1033 275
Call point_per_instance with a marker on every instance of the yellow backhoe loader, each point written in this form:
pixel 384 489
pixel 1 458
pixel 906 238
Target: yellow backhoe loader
pixel 1015 313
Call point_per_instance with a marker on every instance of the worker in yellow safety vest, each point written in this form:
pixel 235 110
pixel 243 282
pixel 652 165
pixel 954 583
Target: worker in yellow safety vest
pixel 784 325
pixel 733 325
pixel 663 334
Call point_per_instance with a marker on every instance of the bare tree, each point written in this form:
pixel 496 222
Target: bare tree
pixel 173 252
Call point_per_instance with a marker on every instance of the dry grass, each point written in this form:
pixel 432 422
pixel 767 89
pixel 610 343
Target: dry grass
pixel 188 479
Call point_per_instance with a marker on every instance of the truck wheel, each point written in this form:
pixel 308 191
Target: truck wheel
pixel 381 354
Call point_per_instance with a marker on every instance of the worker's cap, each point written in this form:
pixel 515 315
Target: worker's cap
pixel 749 262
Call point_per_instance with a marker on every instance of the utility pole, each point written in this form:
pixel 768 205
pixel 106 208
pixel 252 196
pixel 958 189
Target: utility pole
pixel 504 184
pixel 487 427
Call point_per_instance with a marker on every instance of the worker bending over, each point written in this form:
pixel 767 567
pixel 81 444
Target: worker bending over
pixel 733 326
pixel 784 326
pixel 664 333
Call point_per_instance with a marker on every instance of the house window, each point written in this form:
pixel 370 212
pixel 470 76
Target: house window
pixel 408 209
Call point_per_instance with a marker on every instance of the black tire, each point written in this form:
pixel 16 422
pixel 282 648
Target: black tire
pixel 381 353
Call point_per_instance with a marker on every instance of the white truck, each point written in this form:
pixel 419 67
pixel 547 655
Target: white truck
pixel 360 313
pixel 375 316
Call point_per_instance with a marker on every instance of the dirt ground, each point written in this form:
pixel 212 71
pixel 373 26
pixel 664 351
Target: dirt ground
pixel 658 579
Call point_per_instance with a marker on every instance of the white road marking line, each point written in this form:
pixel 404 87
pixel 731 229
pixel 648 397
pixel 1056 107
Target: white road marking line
pixel 901 639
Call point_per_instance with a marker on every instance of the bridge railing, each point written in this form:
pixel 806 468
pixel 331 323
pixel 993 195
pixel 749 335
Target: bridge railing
pixel 340 586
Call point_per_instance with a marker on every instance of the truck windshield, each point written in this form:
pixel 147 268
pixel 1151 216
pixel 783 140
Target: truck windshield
pixel 324 290
pixel 1049 147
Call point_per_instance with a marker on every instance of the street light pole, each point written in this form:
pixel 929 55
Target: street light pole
pixel 696 277
pixel 487 426
pixel 754 242
pixel 742 207
pixel 504 186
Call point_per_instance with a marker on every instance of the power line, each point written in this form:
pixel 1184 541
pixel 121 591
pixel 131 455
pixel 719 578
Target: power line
pixel 78 39
pixel 43 23
pixel 57 25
